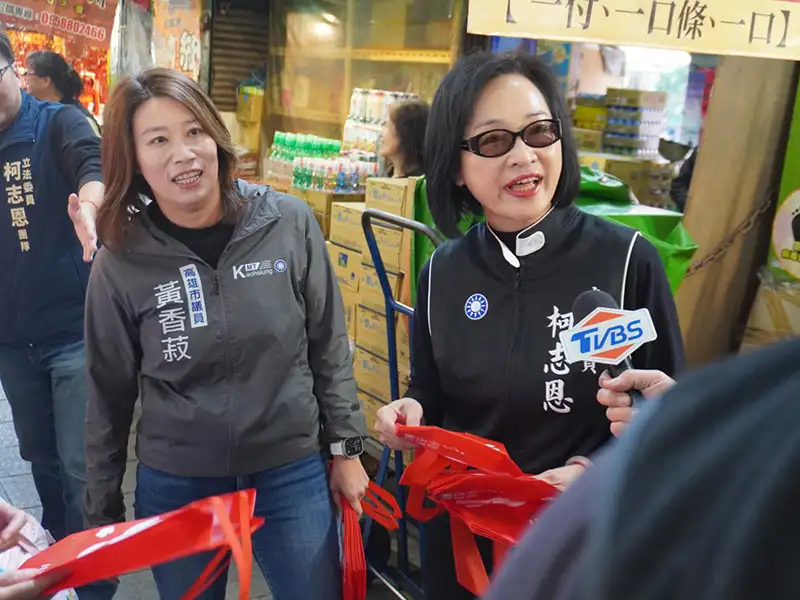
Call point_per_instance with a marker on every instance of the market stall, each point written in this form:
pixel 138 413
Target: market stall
pixel 734 184
pixel 79 30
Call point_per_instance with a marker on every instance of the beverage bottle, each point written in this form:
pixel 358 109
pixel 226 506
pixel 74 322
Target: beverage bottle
pixel 352 168
pixel 318 182
pixel 301 171
pixel 296 173
pixel 330 179
pixel 341 178
pixel 310 174
pixel 291 147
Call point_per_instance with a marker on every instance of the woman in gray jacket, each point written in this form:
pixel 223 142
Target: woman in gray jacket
pixel 216 304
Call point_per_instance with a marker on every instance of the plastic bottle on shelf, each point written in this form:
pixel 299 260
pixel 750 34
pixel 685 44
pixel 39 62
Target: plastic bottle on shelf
pixel 296 174
pixel 362 176
pixel 354 177
pixel 291 147
pixel 305 178
pixel 317 175
pixel 341 181
pixel 329 185
pixel 273 155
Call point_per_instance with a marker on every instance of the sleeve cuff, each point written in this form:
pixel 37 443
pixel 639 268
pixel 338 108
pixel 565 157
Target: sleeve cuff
pixel 579 460
pixel 355 426
pixel 89 178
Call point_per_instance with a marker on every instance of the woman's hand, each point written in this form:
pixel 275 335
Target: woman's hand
pixel 349 480
pixel 21 585
pixel 613 394
pixel 405 411
pixel 562 477
pixel 12 520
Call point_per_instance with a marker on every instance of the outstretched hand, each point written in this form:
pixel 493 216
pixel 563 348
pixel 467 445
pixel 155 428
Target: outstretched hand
pixel 83 215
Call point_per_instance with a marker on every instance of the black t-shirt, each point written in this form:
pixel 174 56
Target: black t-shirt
pixel 207 243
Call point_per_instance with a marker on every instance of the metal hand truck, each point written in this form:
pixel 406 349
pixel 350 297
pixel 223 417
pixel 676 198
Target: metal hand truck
pixel 402 574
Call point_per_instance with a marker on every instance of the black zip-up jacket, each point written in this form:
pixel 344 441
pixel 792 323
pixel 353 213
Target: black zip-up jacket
pixel 48 152
pixel 486 358
pixel 240 368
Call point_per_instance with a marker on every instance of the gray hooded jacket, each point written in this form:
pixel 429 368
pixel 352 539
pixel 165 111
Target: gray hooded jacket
pixel 239 369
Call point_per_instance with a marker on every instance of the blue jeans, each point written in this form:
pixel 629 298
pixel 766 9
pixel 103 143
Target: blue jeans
pixel 46 388
pixel 297 548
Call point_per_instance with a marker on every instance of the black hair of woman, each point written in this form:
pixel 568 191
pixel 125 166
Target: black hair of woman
pixel 409 120
pixel 450 114
pixel 65 81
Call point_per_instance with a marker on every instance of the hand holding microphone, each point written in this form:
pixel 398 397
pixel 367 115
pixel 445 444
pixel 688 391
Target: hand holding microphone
pixel 613 394
pixel 608 335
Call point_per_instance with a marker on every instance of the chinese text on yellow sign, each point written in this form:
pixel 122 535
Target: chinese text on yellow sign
pixel 768 28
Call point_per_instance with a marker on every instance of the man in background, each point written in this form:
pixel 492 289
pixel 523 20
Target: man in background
pixel 47 153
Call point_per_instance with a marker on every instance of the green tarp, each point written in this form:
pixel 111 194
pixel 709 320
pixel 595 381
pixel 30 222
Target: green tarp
pixel 606 197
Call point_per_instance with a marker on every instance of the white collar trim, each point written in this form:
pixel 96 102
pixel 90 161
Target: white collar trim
pixel 525 244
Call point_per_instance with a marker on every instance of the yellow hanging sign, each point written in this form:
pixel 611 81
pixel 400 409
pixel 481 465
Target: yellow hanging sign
pixel 766 28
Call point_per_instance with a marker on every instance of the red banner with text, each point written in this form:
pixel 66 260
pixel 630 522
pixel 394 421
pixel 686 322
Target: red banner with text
pixel 83 21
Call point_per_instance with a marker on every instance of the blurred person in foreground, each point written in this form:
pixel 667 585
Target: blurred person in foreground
pixel 697 500
pixel 216 304
pixel 50 78
pixel 403 138
pixel 48 152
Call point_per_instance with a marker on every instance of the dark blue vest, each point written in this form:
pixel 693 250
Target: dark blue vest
pixel 43 278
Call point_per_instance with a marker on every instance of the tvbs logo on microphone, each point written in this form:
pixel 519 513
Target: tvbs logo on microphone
pixel 608 335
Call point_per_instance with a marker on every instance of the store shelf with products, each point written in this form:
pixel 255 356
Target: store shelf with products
pixel 321 51
pixel 635 124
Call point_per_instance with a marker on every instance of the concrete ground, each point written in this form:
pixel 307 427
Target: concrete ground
pixel 16 486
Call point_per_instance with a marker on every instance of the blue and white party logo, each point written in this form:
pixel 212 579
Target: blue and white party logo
pixel 280 265
pixel 476 307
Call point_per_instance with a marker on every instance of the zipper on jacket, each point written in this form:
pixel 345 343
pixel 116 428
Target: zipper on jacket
pixel 514 328
pixel 228 364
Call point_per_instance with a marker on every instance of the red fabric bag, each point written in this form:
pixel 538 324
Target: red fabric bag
pixel 483 489
pixel 383 508
pixel 224 522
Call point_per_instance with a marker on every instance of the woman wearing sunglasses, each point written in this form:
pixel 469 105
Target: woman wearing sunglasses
pixel 491 302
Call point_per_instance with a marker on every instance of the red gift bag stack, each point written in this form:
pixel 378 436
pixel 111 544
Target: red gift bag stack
pixel 383 508
pixel 472 478
pixel 224 522
pixel 482 488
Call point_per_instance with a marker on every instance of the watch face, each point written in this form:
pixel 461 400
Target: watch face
pixel 353 447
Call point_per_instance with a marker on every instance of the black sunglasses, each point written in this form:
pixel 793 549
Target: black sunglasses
pixel 497 142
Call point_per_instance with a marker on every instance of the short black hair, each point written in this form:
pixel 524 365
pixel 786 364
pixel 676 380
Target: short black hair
pixel 410 119
pixel 45 63
pixel 6 48
pixel 453 107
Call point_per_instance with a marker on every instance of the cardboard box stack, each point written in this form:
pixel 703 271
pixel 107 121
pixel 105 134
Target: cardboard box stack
pixel 635 122
pixel 589 118
pixel 365 307
pixel 649 180
pixel 395 196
